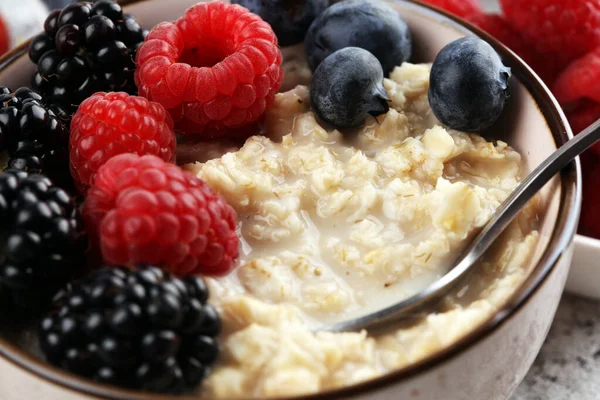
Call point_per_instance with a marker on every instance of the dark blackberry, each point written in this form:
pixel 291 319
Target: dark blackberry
pixel 141 329
pixel 41 238
pixel 85 48
pixel 37 141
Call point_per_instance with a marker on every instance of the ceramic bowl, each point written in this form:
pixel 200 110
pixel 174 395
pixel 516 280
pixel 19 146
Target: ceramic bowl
pixel 493 358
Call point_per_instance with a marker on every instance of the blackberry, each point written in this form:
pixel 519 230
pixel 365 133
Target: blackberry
pixel 37 141
pixel 85 48
pixel 41 238
pixel 139 329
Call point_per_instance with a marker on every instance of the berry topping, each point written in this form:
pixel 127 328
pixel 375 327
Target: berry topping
pixel 468 85
pixel 108 124
pixel 497 26
pixel 85 48
pixel 41 239
pixel 4 38
pixel 35 138
pixel 589 223
pixel 98 29
pixel 583 115
pixel 76 14
pixel 581 79
pixel 213 74
pixel 143 210
pixel 289 19
pixel 141 329
pixel 501 29
pixel 347 87
pixel 560 29
pixel 370 25
pixel 39 45
pixel 51 23
pixel 108 9
pixel 461 8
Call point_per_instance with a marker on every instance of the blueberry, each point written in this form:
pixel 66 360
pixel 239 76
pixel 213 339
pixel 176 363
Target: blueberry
pixel 289 19
pixel 370 25
pixel 468 85
pixel 347 87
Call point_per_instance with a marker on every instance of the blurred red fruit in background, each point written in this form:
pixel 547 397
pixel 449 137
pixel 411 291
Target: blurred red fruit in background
pixel 4 39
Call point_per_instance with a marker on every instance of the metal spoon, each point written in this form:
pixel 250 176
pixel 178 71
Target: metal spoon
pixel 467 260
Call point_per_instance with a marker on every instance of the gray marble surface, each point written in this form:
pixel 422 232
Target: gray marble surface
pixel 568 367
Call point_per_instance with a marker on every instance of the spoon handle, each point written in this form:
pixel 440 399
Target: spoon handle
pixel 532 184
pixel 503 216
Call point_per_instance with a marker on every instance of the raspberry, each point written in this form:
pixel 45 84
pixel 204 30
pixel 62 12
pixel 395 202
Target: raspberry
pixel 4 38
pixel 497 26
pixel 143 210
pixel 583 116
pixel 461 8
pixel 107 124
pixel 580 79
pixel 215 69
pixel 560 29
pixel 589 223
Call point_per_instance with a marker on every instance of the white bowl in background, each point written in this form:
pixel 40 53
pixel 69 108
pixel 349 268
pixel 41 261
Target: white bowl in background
pixel 584 278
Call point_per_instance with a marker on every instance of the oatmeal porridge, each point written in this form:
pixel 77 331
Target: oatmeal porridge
pixel 261 174
pixel 336 225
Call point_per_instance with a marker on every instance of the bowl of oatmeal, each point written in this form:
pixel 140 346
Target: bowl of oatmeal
pixel 333 226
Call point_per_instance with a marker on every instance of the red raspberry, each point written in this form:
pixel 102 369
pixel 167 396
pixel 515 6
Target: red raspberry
pixel 461 8
pixel 497 26
pixel 143 210
pixel 4 38
pixel 589 223
pixel 107 124
pixel 580 79
pixel 583 116
pixel 216 69
pixel 560 29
